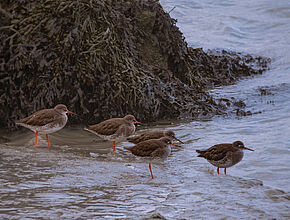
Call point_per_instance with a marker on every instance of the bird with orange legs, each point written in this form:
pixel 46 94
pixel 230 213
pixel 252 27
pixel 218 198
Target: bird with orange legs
pixel 46 121
pixel 224 155
pixel 153 149
pixel 153 135
pixel 114 129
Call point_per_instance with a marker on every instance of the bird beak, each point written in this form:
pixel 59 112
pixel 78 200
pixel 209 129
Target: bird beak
pixel 69 112
pixel 175 138
pixel 137 122
pixel 245 148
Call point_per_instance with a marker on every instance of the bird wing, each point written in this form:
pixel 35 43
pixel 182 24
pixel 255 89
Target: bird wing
pixel 40 118
pixel 108 127
pixel 217 152
pixel 145 148
pixel 122 130
pixel 145 136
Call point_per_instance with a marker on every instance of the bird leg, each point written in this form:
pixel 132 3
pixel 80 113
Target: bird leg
pixel 151 171
pixel 225 171
pixel 114 147
pixel 47 140
pixel 36 133
pixel 218 170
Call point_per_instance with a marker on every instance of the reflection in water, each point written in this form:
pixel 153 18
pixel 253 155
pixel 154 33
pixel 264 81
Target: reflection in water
pixel 79 180
pixel 79 177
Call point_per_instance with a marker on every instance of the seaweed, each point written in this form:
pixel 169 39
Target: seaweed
pixel 107 58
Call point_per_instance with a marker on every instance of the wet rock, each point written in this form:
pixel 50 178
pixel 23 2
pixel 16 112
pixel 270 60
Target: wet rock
pixel 239 103
pixel 155 216
pixel 226 101
pixel 265 91
pixel 240 112
pixel 108 58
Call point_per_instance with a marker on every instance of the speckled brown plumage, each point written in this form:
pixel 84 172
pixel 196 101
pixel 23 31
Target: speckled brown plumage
pixel 153 135
pixel 107 127
pixel 224 155
pixel 153 149
pixel 46 121
pixel 114 129
pixel 43 117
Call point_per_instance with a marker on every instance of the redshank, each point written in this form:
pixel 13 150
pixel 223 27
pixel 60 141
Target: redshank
pixel 154 149
pixel 114 129
pixel 153 135
pixel 46 121
pixel 224 155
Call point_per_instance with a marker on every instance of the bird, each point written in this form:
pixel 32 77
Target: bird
pixel 224 155
pixel 152 149
pixel 114 129
pixel 46 121
pixel 153 135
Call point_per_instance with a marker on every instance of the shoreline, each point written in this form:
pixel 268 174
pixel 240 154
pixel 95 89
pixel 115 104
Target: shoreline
pixel 102 65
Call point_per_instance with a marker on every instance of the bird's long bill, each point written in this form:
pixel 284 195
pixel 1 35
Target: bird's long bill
pixel 69 112
pixel 178 140
pixel 137 122
pixel 248 149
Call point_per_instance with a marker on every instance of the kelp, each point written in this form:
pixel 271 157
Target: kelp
pixel 107 58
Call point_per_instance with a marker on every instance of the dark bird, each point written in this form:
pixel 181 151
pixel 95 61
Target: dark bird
pixel 153 135
pixel 114 129
pixel 152 149
pixel 46 121
pixel 224 155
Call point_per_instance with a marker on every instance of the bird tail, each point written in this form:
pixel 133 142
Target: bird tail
pixel 201 152
pixel 128 148
pixel 19 122
pixel 129 139
pixel 134 139
pixel 87 128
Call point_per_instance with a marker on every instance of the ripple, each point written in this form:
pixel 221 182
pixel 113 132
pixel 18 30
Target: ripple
pixel 78 177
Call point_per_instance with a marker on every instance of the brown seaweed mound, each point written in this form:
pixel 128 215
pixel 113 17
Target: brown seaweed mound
pixel 105 59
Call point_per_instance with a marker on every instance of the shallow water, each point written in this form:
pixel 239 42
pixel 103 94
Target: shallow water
pixel 80 178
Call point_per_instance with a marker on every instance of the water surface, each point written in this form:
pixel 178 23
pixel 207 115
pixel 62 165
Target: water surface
pixel 78 177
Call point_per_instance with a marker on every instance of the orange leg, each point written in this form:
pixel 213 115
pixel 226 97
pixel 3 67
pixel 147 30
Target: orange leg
pixel 151 171
pixel 36 133
pixel 225 171
pixel 47 140
pixel 218 170
pixel 114 147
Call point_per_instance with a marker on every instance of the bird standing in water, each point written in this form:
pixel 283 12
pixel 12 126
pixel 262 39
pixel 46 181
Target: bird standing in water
pixel 224 155
pixel 46 121
pixel 153 149
pixel 153 135
pixel 114 129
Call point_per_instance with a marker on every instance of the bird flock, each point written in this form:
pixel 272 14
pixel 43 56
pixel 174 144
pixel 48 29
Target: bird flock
pixel 152 145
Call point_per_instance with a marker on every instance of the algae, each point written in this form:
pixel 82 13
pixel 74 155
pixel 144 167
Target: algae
pixel 107 58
